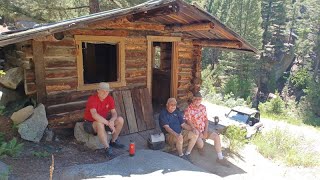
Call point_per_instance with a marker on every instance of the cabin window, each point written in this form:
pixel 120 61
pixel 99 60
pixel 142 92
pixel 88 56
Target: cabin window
pixel 100 59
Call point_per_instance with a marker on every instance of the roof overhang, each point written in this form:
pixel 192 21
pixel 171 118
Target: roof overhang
pixel 177 16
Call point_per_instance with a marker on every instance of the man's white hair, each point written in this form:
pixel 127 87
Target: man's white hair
pixel 170 100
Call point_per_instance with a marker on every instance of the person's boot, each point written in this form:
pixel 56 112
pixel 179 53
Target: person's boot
pixel 109 153
pixel 116 144
pixel 223 162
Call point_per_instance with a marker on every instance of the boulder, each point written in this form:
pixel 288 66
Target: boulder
pixel 4 171
pixel 12 78
pixel 21 115
pixel 48 134
pixel 8 95
pixel 33 128
pixel 89 140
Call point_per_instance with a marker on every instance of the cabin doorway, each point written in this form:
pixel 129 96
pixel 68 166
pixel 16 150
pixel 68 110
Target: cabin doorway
pixel 161 73
pixel 162 70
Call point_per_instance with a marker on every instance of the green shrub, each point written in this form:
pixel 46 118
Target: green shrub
pixel 11 148
pixel 238 86
pixel 236 137
pixel 274 106
pixel 300 79
pixel 313 96
pixel 282 145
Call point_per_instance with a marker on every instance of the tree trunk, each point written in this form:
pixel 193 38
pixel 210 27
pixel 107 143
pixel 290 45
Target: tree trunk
pixel 94 6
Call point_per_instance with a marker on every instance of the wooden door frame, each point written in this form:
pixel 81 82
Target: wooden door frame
pixel 174 62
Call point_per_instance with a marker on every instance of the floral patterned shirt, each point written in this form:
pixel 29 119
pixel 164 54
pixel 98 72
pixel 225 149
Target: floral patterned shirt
pixel 197 116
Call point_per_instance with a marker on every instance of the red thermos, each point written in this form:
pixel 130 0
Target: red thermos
pixel 132 149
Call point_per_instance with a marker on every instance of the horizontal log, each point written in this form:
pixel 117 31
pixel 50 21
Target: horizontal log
pixel 29 75
pixel 136 80
pixel 30 88
pixel 95 32
pixel 65 42
pixel 136 73
pixel 60 62
pixel 192 27
pixel 139 47
pixel 136 64
pixel 61 85
pixel 136 41
pixel 135 54
pixel 56 73
pixel 66 107
pixel 218 43
pixel 186 55
pixel 64 97
pixel 60 52
pixel 66 118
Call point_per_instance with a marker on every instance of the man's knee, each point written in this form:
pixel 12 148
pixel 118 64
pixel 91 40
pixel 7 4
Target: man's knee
pixel 120 120
pixel 214 136
pixel 192 135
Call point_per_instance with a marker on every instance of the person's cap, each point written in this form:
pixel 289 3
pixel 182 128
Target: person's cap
pixel 197 94
pixel 104 86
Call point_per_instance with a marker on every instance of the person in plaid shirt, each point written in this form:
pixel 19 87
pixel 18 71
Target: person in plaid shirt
pixel 196 116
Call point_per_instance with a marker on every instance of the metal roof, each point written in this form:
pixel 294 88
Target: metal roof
pixel 184 15
pixel 244 110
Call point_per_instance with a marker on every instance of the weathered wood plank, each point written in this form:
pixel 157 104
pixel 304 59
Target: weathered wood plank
pixel 136 98
pixel 117 96
pixel 147 108
pixel 127 100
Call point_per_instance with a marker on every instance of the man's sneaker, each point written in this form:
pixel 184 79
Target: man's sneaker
pixel 108 152
pixel 186 157
pixel 116 144
pixel 223 162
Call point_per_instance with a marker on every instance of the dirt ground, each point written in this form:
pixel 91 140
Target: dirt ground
pixel 64 148
pixel 67 152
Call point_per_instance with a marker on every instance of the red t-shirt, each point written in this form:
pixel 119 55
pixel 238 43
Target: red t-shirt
pixel 102 107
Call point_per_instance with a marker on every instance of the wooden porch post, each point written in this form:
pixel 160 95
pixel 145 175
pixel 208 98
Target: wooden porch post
pixel 39 68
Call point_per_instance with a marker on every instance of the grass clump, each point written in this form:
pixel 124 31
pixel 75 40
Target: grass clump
pixel 12 148
pixel 282 145
pixel 236 137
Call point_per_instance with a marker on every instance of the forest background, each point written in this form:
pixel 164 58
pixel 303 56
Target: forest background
pixel 286 32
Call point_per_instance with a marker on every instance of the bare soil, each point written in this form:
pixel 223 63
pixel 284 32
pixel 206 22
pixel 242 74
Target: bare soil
pixel 65 150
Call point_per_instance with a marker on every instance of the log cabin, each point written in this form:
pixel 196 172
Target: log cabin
pixel 147 53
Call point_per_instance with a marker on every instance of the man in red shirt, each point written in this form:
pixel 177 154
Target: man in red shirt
pixel 100 116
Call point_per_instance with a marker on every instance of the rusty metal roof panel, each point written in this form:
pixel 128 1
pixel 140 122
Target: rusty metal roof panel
pixel 182 14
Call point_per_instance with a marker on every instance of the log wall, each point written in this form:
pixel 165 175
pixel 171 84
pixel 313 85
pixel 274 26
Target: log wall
pixel 64 104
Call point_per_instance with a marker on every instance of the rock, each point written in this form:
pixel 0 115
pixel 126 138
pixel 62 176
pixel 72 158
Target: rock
pixel 4 171
pixel 21 115
pixel 48 134
pixel 8 95
pixel 89 140
pixel 12 78
pixel 32 129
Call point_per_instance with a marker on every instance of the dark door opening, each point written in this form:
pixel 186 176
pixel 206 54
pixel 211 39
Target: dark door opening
pixel 161 73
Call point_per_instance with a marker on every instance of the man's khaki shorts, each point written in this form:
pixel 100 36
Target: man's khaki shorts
pixel 171 139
